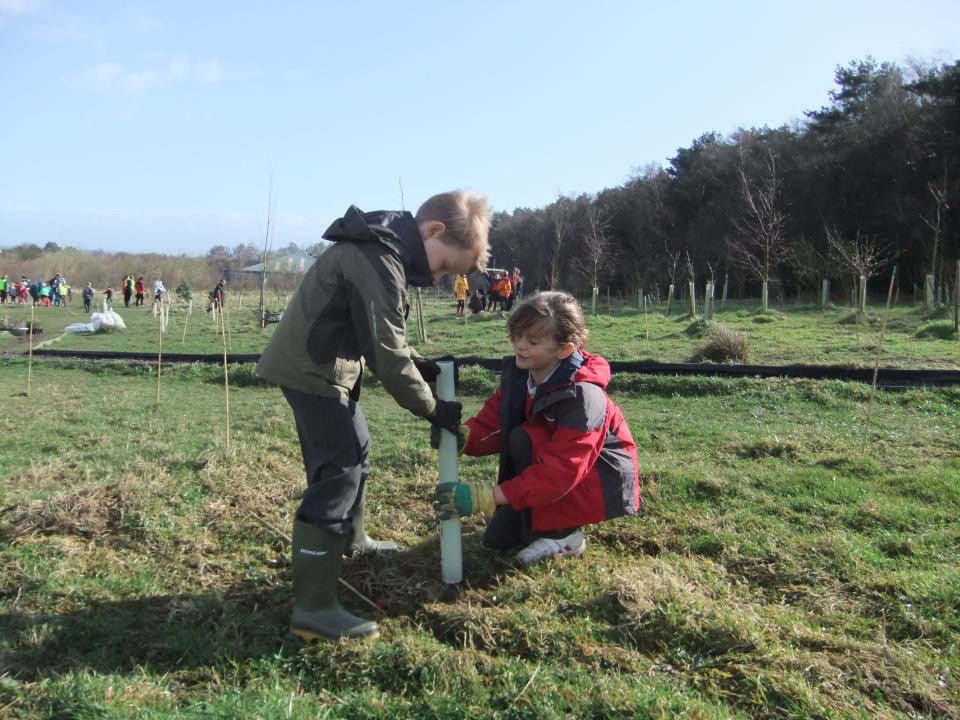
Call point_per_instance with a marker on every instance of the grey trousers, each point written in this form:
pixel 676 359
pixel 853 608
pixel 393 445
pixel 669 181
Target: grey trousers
pixel 335 444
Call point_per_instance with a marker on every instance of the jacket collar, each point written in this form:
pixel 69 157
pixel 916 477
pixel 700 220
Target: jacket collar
pixel 559 386
pixel 397 230
pixel 418 269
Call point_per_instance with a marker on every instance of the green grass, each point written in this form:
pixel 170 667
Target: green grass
pixel 775 572
pixel 791 334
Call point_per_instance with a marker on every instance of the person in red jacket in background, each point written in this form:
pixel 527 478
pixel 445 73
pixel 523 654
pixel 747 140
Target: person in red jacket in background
pixel 567 458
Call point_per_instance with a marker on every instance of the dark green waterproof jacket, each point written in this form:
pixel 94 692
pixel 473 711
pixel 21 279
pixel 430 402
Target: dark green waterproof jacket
pixel 350 310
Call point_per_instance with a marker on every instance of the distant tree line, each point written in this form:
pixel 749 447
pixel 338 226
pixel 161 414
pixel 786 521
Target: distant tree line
pixel 866 182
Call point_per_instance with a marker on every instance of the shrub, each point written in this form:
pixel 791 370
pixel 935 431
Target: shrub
pixel 698 328
pixel 857 316
pixel 937 331
pixel 183 291
pixel 724 345
pixel 939 311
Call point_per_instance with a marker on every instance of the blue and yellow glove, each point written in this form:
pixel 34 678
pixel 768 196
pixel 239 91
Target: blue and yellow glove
pixel 463 434
pixel 457 499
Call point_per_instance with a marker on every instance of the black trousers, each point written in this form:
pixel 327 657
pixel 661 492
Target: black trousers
pixel 509 528
pixel 335 444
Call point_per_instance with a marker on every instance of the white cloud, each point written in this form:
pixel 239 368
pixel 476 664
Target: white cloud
pixel 109 77
pixel 13 8
pixel 18 7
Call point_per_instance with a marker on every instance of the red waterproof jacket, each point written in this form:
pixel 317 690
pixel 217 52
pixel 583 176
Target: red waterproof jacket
pixel 583 464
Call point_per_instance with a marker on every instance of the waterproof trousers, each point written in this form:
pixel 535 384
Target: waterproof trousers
pixel 335 444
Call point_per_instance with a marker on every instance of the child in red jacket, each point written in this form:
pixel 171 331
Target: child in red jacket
pixel 567 458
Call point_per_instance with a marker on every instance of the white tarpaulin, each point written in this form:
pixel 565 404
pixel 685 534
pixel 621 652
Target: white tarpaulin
pixel 108 321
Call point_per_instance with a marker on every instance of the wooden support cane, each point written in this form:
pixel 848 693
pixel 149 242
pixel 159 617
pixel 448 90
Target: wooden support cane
pixel 30 349
pixel 876 365
pixel 226 378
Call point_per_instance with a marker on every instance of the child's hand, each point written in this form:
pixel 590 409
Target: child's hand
pixel 453 500
pixel 463 434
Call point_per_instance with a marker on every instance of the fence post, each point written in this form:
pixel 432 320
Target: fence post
pixel 956 301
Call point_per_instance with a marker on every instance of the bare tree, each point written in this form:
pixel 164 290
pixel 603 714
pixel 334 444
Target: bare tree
pixel 862 255
pixel 266 245
pixel 761 246
pixel 688 263
pixel 813 268
pixel 596 244
pixel 938 191
pixel 561 225
pixel 673 263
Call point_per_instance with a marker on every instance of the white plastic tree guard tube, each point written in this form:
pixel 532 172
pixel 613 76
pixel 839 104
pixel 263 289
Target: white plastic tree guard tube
pixel 451 549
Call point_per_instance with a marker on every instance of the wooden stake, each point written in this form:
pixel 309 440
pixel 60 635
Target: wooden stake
pixel 956 302
pixel 876 365
pixel 226 326
pixel 30 349
pixel 226 376
pixel 159 360
pixel 646 325
pixel 186 319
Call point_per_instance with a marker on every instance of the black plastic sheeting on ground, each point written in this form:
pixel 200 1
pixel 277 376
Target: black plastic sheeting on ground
pixel 886 377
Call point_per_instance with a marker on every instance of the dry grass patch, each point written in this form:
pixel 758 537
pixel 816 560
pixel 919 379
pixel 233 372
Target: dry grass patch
pixel 767 658
pixel 723 345
pixel 86 511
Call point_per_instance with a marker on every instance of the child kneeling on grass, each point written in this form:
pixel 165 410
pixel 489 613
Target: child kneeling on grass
pixel 567 458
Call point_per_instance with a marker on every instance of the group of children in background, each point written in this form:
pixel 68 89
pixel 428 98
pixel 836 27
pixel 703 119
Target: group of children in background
pixel 57 292
pixel 53 293
pixel 502 290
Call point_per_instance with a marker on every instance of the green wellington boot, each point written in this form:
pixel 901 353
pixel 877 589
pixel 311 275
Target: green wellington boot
pixel 317 560
pixel 361 543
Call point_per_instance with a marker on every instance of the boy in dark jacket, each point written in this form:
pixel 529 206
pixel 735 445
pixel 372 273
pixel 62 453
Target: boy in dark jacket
pixel 567 458
pixel 350 310
pixel 87 297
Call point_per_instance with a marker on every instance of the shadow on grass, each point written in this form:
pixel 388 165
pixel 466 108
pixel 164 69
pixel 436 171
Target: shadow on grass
pixel 235 623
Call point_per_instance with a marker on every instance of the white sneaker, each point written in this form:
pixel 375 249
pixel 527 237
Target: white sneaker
pixel 543 548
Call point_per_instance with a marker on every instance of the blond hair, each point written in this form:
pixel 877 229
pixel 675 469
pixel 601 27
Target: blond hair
pixel 559 310
pixel 466 216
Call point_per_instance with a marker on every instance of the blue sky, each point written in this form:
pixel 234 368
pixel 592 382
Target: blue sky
pixel 157 126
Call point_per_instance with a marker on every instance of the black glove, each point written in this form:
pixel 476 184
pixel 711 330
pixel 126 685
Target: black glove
pixel 463 434
pixel 446 415
pixel 431 371
pixel 428 369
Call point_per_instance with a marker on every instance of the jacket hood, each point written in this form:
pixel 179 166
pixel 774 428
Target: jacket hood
pixel 581 366
pixel 594 370
pixel 396 230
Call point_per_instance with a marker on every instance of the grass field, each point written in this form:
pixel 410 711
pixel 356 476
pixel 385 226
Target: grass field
pixel 792 334
pixel 774 572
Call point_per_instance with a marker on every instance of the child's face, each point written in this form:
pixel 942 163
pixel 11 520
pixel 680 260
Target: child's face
pixel 537 350
pixel 443 258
